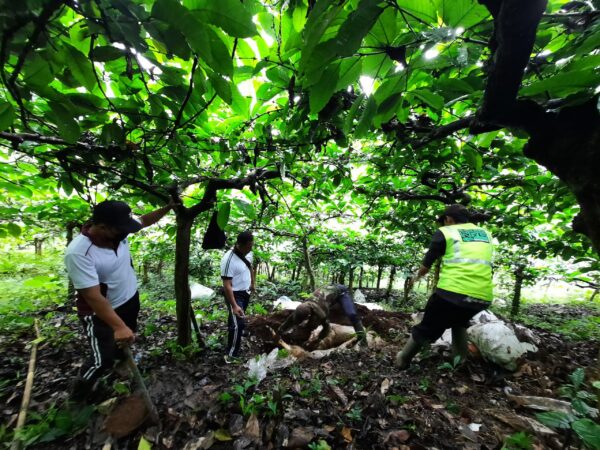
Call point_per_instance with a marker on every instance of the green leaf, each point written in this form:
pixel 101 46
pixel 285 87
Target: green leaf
pixel 144 444
pixel 588 431
pixel 366 119
pixel 358 24
pixel 13 229
pixel 434 100
pixel 81 67
pixel 321 92
pixel 230 15
pixel 474 159
pixel 564 83
pixel 223 215
pixel 464 13
pixel 106 53
pixel 246 208
pixel 555 419
pixel 577 377
pixel 349 71
pixel 7 115
pixel 222 87
pixel 68 128
pixel 222 435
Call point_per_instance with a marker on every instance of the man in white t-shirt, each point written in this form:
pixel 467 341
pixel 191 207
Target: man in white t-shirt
pixel 100 266
pixel 238 282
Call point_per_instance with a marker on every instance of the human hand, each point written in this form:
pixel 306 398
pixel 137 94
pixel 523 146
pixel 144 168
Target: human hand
pixel 123 335
pixel 237 311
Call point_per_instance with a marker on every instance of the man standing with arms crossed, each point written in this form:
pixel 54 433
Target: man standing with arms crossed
pixel 238 282
pixel 101 269
pixel 465 285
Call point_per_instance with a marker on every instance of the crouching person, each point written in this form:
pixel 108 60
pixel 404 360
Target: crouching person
pixel 315 311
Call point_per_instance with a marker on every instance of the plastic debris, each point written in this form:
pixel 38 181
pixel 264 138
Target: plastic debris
pixel 259 367
pixel 285 302
pixel 200 292
pixel 359 297
pixel 499 344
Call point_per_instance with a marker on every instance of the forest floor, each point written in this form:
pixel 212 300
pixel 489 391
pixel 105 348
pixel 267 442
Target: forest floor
pixel 354 399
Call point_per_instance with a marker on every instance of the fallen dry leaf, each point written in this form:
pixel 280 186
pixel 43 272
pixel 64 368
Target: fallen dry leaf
pixel 347 434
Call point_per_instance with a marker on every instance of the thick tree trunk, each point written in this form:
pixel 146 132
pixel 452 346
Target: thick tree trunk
pixel 379 274
pixel 567 144
pixel 406 291
pixel 145 270
pixel 391 282
pixel 360 277
pixel 351 278
pixel 342 278
pixel 159 268
pixel 182 282
pixel 516 299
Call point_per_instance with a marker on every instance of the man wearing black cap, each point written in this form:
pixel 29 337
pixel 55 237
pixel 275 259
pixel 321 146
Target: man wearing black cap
pixel 464 287
pixel 100 266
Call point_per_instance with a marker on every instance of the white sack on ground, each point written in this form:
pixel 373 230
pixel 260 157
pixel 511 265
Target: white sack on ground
pixel 499 344
pixel 259 366
pixel 285 302
pixel 359 297
pixel 200 292
pixel 370 306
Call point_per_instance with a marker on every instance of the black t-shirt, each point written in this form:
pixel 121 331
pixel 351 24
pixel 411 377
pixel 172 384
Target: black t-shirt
pixel 437 249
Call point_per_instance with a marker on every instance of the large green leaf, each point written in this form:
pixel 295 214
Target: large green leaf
pixel 80 66
pixel 13 229
pixel 589 432
pixel 230 15
pixel 555 419
pixel 464 13
pixel 202 38
pixel 7 115
pixel 223 215
pixel 564 83
pixel 321 92
pixel 68 128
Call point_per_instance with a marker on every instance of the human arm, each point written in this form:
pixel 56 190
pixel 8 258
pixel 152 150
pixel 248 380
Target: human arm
pixel 152 217
pixel 228 290
pixel 437 248
pixel 105 312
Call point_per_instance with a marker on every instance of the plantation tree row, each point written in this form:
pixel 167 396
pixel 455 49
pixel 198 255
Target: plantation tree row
pixel 314 110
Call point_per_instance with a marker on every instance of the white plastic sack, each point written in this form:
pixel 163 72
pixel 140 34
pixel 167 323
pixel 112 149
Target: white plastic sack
pixel 484 317
pixel 259 367
pixel 359 297
pixel 498 343
pixel 286 303
pixel 200 292
pixel 371 306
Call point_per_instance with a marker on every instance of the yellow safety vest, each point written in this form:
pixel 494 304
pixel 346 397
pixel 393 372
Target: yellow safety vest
pixel 467 264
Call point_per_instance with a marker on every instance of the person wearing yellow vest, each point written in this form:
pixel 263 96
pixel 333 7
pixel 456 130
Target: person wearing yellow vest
pixel 465 285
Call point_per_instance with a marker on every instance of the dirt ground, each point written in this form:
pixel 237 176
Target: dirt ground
pixel 352 400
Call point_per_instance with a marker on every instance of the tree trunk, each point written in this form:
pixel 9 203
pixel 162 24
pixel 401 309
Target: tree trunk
pixel 342 278
pixel 308 264
pixel 516 300
pixel 145 269
pixel 272 275
pixel 391 283
pixel 183 295
pixel 351 278
pixel 159 268
pixel 406 290
pixel 37 242
pixel 70 288
pixel 360 277
pixel 379 274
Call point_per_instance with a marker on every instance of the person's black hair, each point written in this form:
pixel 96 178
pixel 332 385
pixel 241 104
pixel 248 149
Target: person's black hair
pixel 245 237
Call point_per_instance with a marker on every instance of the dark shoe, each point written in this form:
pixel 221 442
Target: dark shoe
pixel 405 356
pixel 81 390
pixel 460 343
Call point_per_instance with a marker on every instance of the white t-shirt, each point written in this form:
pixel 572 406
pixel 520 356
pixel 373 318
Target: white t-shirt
pixel 233 268
pixel 89 265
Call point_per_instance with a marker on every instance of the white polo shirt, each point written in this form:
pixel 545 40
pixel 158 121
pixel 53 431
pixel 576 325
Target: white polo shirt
pixel 89 265
pixel 234 269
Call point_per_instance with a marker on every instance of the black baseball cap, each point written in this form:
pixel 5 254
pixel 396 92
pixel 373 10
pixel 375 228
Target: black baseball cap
pixel 116 214
pixel 459 213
